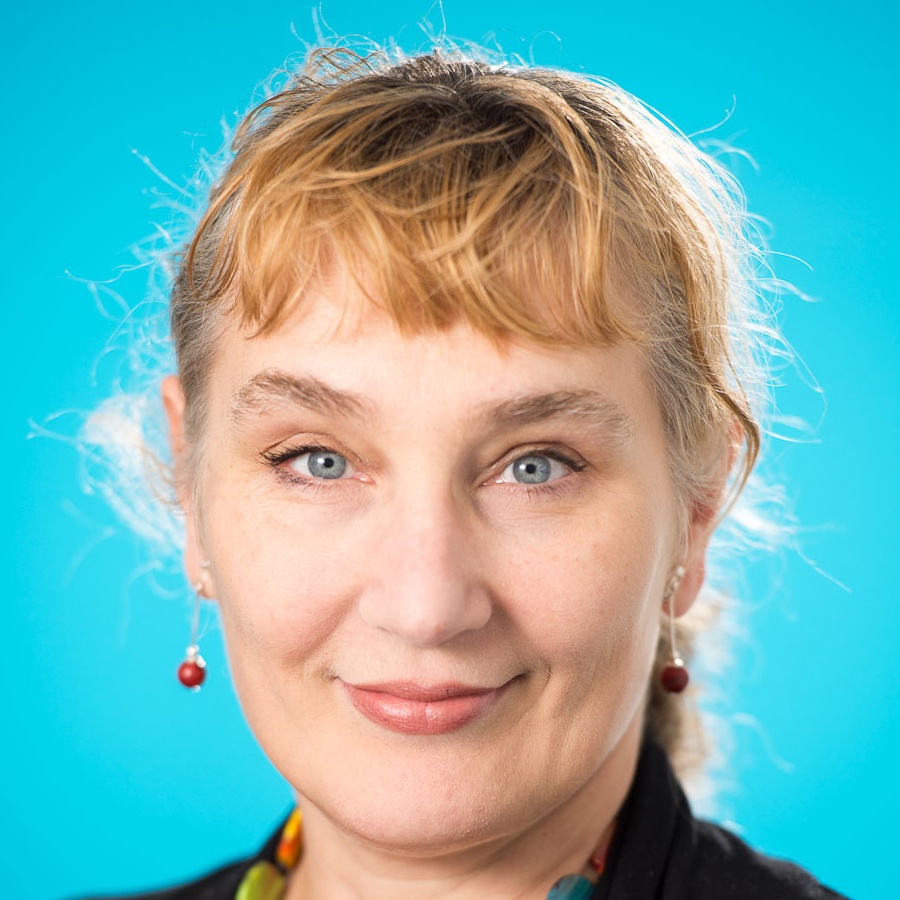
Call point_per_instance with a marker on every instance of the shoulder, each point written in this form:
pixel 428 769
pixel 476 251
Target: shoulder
pixel 662 852
pixel 221 884
pixel 218 885
pixel 721 864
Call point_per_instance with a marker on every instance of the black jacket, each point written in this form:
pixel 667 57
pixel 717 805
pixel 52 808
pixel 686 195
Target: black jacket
pixel 659 852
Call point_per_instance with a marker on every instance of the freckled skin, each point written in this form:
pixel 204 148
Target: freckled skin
pixel 426 563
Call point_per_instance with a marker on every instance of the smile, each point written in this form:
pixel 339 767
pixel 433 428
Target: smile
pixel 414 709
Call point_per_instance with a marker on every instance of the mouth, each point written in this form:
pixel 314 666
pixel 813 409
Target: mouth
pixel 410 708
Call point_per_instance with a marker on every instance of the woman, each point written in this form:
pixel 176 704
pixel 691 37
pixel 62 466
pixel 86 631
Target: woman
pixel 466 377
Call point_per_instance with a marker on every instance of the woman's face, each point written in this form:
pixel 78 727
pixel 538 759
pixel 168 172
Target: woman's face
pixel 440 566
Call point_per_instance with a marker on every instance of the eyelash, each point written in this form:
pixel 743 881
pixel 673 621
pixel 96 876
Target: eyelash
pixel 548 489
pixel 275 459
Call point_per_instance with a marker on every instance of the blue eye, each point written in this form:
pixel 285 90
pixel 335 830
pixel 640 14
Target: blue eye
pixel 534 468
pixel 319 463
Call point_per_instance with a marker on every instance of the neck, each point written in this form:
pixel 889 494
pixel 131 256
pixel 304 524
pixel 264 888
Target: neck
pixel 521 866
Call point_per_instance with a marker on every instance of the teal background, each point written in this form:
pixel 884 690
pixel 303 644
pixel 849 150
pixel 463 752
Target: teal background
pixel 115 779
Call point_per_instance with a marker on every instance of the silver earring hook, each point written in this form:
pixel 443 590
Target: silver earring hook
pixel 195 621
pixel 669 594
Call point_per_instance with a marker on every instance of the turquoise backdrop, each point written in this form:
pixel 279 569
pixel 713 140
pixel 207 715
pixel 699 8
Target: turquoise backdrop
pixel 115 779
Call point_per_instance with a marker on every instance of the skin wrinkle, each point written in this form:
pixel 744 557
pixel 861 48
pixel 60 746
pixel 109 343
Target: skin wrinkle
pixel 594 227
pixel 273 386
pixel 317 586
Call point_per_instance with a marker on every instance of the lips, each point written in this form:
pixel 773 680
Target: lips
pixel 411 708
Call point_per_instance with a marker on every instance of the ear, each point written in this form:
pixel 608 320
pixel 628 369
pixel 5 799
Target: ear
pixel 194 554
pixel 173 403
pixel 703 519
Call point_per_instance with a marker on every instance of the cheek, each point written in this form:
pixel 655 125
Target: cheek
pixel 279 591
pixel 573 593
pixel 584 596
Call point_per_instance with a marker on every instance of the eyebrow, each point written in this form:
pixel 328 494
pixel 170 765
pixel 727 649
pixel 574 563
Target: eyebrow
pixel 591 407
pixel 273 386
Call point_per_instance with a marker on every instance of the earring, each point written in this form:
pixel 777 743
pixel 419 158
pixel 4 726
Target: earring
pixel 192 670
pixel 674 677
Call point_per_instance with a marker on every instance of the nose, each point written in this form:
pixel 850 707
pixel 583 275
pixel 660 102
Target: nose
pixel 426 587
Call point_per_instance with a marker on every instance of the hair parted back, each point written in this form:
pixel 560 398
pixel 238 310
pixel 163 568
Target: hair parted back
pixel 525 201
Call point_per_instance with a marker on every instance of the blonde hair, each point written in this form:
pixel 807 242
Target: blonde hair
pixel 524 201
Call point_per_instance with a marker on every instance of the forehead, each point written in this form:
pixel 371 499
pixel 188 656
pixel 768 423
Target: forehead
pixel 360 367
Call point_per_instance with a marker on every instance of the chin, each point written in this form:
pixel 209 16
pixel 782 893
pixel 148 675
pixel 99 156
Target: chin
pixel 425 804
pixel 425 826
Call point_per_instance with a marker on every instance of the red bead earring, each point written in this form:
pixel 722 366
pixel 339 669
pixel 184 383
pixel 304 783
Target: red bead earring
pixel 674 677
pixel 192 671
